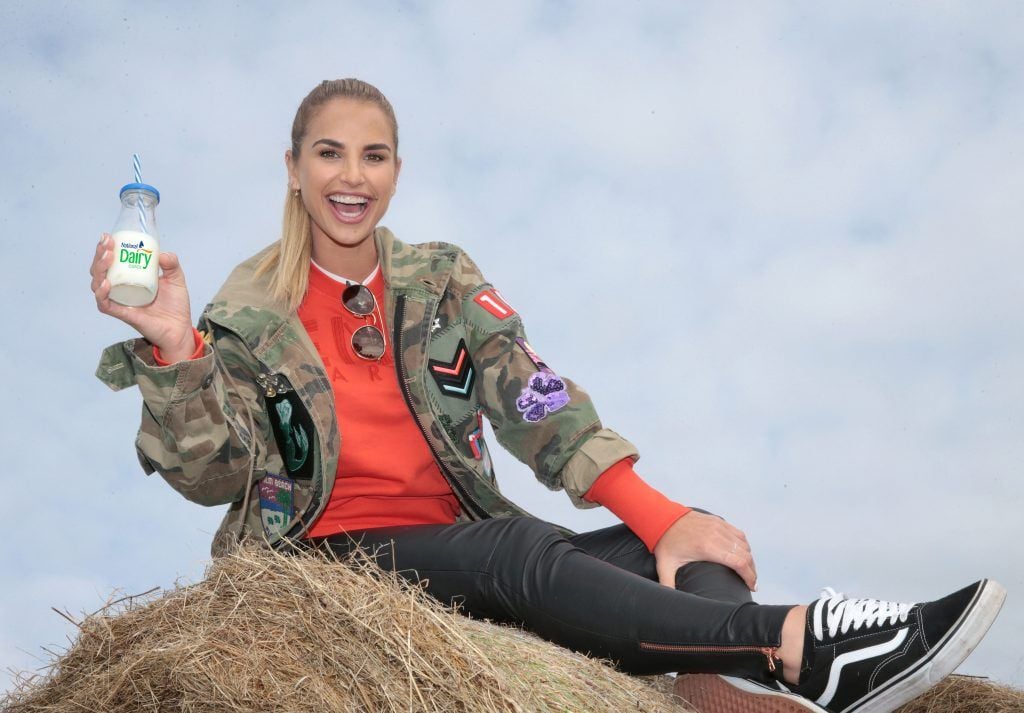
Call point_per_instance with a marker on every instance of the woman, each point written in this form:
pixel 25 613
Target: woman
pixel 334 393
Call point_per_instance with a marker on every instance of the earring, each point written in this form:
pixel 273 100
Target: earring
pixel 296 193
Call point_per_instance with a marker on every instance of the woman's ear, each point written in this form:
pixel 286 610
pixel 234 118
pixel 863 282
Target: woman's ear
pixel 398 169
pixel 293 179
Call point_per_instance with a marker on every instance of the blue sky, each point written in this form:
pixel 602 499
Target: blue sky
pixel 779 243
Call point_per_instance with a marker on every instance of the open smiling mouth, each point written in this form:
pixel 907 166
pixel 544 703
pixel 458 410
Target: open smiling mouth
pixel 349 208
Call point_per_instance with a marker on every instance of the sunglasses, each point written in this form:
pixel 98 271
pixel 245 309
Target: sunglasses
pixel 367 341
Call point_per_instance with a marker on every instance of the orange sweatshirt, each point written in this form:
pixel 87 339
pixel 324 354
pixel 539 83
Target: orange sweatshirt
pixel 386 472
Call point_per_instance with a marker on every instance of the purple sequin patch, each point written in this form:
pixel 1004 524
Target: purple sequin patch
pixel 545 392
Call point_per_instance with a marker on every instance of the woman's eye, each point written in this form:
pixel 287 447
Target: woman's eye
pixel 328 153
pixel 374 157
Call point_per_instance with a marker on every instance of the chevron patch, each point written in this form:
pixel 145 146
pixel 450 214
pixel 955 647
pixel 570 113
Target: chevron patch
pixel 454 378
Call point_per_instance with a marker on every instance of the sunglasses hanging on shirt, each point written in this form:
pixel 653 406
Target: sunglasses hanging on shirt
pixel 368 341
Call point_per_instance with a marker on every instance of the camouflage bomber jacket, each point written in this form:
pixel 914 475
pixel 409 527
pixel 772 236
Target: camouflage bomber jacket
pixel 251 423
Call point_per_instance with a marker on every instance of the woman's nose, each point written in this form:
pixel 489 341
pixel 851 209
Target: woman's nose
pixel 352 172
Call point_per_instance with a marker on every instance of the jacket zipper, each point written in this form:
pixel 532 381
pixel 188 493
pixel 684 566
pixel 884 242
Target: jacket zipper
pixel 466 497
pixel 768 651
pixel 299 525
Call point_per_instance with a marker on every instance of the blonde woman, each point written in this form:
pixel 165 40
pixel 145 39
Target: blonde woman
pixel 333 395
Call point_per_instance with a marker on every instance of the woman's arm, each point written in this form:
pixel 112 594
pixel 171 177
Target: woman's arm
pixel 198 415
pixel 551 425
pixel 673 539
pixel 539 416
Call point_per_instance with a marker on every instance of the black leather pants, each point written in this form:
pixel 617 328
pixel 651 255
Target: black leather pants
pixel 595 592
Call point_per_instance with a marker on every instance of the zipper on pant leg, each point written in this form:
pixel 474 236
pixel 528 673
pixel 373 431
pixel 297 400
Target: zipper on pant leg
pixel 768 652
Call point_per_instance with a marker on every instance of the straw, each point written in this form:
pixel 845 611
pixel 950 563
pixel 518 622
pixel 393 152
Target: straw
pixel 137 165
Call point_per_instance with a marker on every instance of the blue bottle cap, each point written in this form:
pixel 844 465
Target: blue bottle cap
pixel 140 187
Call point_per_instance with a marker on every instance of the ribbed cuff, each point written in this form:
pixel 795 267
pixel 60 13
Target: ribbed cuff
pixel 645 511
pixel 200 348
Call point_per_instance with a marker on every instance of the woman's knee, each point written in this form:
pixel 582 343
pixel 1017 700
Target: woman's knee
pixel 712 581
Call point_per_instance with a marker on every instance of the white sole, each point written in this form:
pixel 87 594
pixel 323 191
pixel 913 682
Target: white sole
pixel 967 634
pixel 712 693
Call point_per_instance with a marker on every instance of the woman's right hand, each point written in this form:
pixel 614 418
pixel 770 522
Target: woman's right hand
pixel 700 537
pixel 167 321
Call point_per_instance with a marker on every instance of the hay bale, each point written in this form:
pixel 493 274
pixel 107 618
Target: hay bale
pixel 967 694
pixel 269 632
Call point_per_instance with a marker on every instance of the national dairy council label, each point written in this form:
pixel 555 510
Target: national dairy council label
pixel 135 256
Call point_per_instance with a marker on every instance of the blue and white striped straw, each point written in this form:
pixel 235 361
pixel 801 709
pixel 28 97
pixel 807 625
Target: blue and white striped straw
pixel 137 165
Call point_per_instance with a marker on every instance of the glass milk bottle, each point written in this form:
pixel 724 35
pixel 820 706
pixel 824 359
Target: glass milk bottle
pixel 134 272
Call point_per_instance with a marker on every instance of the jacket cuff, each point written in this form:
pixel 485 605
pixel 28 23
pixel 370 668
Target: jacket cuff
pixel 597 454
pixel 132 362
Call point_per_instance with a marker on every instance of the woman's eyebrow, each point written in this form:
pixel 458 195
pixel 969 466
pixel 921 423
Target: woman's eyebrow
pixel 339 145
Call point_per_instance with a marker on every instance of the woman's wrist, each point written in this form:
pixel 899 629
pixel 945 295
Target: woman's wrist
pixel 190 347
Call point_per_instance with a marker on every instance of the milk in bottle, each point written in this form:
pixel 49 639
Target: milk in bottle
pixel 136 247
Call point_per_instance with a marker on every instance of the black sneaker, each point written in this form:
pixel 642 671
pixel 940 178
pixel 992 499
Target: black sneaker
pixel 871 656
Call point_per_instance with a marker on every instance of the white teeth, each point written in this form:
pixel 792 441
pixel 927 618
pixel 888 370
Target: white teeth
pixel 348 200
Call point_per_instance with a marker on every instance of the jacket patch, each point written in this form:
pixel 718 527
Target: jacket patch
pixel 476 436
pixel 491 301
pixel 277 506
pixel 455 377
pixel 296 440
pixel 291 424
pixel 475 443
pixel 545 392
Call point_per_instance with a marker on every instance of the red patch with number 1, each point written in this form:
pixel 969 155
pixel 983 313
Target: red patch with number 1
pixel 491 301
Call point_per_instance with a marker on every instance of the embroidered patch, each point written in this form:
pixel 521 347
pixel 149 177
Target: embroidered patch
pixel 491 301
pixel 291 424
pixel 475 435
pixel 545 392
pixel 525 346
pixel 454 378
pixel 277 506
pixel 296 441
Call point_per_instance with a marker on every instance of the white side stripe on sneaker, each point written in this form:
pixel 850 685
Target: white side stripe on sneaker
pixel 853 657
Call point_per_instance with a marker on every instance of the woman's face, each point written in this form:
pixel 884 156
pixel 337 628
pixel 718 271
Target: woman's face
pixel 346 171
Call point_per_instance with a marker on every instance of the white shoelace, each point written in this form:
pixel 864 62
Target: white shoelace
pixel 838 613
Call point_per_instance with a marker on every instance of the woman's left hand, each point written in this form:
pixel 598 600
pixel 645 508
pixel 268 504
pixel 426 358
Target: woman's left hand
pixel 698 537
